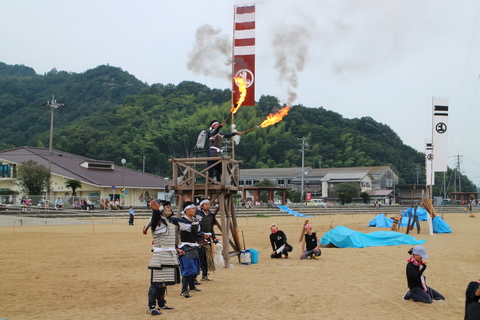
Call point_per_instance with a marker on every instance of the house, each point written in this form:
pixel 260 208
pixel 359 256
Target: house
pixel 100 179
pixel 321 182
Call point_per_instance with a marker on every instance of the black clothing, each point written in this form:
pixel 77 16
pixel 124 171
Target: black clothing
pixel 189 230
pixel 215 150
pixel 206 221
pixel 311 241
pixel 472 306
pixel 413 275
pixel 277 240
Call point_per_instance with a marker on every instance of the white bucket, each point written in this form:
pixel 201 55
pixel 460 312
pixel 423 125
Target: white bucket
pixel 245 257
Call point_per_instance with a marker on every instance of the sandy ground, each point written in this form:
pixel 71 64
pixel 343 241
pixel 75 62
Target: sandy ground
pixel 99 271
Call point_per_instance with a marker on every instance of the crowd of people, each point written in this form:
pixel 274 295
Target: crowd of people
pixel 179 259
pixel 418 290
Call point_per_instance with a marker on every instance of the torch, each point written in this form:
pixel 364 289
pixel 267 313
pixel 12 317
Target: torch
pixel 242 87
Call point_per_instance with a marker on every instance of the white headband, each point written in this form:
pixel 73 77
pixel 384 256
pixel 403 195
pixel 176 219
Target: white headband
pixel 203 202
pixel 190 206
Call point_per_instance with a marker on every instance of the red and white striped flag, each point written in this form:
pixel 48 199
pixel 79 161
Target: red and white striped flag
pixel 244 53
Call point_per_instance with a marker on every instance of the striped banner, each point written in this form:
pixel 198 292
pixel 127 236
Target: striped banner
pixel 440 134
pixel 244 53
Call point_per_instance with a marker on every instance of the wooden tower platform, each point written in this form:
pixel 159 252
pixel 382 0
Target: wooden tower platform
pixel 190 180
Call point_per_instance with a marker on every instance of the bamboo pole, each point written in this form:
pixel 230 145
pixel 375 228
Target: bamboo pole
pixel 243 238
pixel 303 231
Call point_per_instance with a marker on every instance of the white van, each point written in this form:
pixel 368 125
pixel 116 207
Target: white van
pixel 317 202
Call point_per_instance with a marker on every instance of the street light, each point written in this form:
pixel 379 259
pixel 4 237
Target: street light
pixel 53 105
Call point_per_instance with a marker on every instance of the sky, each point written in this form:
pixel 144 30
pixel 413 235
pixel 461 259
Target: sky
pixel 363 58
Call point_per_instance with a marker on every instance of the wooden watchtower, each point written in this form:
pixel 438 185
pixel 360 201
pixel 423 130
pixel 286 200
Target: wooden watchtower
pixel 190 177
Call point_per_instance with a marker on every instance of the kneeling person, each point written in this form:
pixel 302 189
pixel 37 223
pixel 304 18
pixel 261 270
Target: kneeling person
pixel 312 244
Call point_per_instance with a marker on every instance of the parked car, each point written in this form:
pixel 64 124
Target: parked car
pixel 317 202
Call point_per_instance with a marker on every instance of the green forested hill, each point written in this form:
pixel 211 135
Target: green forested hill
pixel 112 115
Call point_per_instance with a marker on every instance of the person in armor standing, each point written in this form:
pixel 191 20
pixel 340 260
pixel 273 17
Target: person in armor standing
pixel 190 234
pixel 164 264
pixel 312 244
pixel 215 148
pixel 206 219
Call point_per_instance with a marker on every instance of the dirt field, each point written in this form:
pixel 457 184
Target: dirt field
pixel 100 271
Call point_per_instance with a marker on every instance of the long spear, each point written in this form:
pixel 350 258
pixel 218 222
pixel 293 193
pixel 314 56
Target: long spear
pixel 249 130
pixel 272 118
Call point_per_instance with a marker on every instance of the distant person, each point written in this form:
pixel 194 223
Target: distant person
pixel 417 285
pixel 131 214
pixel 215 148
pixel 472 304
pixel 310 244
pixel 58 203
pixel 278 240
pixel 270 204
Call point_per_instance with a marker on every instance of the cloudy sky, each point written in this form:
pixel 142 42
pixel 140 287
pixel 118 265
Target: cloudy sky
pixel 377 58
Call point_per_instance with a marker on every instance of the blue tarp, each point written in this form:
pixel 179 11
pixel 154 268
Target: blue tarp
pixel 421 213
pixel 381 221
pixel 344 237
pixel 440 226
pixel 295 213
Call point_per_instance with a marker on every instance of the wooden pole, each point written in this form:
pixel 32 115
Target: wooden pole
pixel 303 231
pixel 243 238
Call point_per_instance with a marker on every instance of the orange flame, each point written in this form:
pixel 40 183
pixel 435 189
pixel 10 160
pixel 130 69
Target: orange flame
pixel 242 87
pixel 275 117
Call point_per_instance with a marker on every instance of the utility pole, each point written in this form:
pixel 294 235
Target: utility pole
pixel 303 145
pixel 53 105
pixel 417 170
pixel 457 169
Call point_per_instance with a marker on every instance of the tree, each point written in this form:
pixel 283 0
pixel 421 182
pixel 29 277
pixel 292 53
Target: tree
pixel 365 196
pixel 264 183
pixel 33 178
pixel 347 191
pixel 74 185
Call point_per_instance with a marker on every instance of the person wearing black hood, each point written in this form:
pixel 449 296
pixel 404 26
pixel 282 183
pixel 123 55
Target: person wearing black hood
pixel 215 148
pixel 472 304
pixel 164 264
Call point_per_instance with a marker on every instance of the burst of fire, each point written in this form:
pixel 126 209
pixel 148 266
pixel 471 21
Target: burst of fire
pixel 275 117
pixel 242 87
